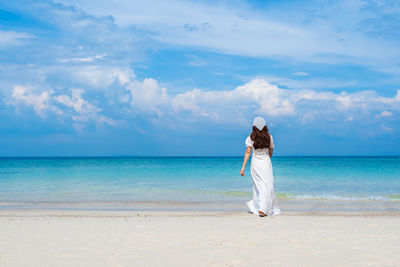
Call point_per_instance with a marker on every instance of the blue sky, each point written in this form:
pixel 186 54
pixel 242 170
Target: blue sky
pixel 176 78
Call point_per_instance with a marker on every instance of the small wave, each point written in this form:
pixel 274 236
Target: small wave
pixel 227 193
pixel 281 195
pixel 336 197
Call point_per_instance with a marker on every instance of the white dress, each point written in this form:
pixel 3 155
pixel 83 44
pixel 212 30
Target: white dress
pixel 263 181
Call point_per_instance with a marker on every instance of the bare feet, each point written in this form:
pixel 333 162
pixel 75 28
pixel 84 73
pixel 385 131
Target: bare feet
pixel 262 214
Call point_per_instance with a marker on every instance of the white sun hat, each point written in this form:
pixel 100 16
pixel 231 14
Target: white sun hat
pixel 259 122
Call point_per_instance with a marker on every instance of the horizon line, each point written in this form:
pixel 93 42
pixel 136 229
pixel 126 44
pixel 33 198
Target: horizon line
pixel 211 156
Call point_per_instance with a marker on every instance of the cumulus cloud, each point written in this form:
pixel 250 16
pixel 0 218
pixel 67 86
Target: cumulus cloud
pixel 85 110
pixel 239 105
pixel 148 95
pixel 46 101
pixel 256 96
pixel 261 97
pixel 26 95
pixel 124 92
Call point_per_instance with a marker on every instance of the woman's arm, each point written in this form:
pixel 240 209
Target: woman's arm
pixel 246 159
pixel 271 151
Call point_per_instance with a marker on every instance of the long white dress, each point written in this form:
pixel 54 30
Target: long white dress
pixel 263 181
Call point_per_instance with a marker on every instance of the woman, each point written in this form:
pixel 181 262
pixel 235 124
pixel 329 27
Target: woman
pixel 264 202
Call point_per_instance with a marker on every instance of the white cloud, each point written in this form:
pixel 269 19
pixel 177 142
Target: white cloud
pixel 384 113
pixel 148 95
pixel 82 59
pixel 11 38
pixel 272 100
pixel 260 97
pixel 301 73
pixel 88 76
pixel 299 32
pixel 77 102
pixel 344 101
pixel 311 83
pixel 362 101
pixel 257 96
pixel 100 76
pixel 196 61
pixel 350 118
pixel 309 116
pixel 387 129
pixel 45 101
pixel 39 102
pixel 85 110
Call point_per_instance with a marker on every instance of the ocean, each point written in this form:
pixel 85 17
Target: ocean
pixel 193 179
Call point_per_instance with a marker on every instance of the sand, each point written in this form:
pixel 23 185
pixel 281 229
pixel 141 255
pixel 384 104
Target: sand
pixel 187 238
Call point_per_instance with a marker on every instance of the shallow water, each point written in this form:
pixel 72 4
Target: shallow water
pixel 185 179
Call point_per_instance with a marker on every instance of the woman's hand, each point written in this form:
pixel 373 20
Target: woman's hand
pixel 246 158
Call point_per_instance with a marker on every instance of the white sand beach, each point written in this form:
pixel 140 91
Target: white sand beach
pixel 188 238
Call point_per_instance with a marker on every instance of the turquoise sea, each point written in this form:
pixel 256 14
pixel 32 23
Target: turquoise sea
pixel 193 179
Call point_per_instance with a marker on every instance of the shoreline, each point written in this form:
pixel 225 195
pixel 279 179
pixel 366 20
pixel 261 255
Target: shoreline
pixel 302 206
pixel 57 213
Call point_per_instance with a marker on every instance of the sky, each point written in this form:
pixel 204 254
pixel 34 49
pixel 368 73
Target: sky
pixel 187 78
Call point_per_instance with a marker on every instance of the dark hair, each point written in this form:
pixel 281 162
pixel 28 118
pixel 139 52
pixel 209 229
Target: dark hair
pixel 261 139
